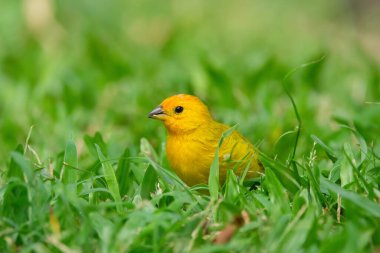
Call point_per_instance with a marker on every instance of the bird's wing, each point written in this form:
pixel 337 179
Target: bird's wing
pixel 236 153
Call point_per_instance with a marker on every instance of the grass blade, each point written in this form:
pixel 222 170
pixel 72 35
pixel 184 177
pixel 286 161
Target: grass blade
pixel 70 165
pixel 20 194
pixel 109 175
pixel 232 187
pixel 363 203
pixel 148 184
pixel 329 152
pixel 24 165
pixel 213 180
pixel 148 150
pixel 346 170
pixel 14 169
pixel 277 193
pixel 123 174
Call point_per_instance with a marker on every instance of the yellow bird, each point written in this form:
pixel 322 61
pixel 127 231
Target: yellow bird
pixel 193 137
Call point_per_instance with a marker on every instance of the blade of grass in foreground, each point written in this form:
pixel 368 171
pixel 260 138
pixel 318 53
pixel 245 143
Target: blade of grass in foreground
pixel 300 124
pixel 109 175
pixel 360 201
pixel 148 184
pixel 27 169
pixel 20 161
pixel 329 152
pixel 70 165
pixel 123 173
pixel 213 179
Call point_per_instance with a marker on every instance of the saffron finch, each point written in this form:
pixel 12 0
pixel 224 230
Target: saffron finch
pixel 193 137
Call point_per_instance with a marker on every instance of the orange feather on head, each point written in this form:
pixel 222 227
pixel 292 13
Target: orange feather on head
pixel 182 113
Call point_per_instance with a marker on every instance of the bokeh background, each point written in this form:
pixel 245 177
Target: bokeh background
pixel 72 68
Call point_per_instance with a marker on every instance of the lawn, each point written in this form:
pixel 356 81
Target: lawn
pixel 83 168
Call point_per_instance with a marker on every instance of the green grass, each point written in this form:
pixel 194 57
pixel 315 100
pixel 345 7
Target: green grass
pixel 82 168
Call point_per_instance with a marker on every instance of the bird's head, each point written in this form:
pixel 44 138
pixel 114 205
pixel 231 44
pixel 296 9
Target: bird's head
pixel 181 113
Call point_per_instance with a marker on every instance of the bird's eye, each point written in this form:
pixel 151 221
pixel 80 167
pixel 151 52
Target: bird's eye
pixel 178 109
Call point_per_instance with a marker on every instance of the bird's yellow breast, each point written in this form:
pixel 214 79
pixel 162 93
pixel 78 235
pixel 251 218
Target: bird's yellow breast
pixel 189 158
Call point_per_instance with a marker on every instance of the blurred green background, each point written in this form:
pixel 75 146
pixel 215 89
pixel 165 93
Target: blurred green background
pixel 71 68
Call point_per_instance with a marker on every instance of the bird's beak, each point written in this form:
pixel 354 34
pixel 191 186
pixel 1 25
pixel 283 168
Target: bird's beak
pixel 157 113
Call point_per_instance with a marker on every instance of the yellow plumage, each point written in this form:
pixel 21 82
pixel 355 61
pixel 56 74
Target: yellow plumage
pixel 193 137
